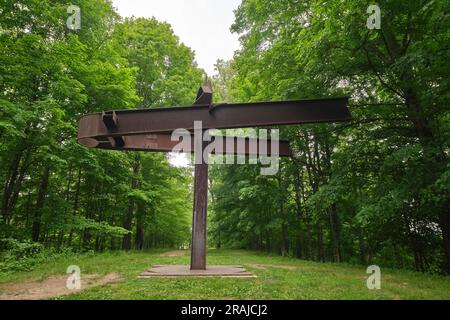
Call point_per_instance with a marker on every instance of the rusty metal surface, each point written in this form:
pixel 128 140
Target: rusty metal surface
pixel 200 212
pixel 165 120
pixel 204 94
pixel 160 142
pixel 200 205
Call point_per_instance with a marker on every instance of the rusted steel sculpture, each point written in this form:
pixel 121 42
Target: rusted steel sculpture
pixel 151 129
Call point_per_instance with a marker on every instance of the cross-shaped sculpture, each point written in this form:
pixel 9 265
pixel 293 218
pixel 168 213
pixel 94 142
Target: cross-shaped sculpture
pixel 150 130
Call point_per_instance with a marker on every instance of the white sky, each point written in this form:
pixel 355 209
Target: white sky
pixel 203 25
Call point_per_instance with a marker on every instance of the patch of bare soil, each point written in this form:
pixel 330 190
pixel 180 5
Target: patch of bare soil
pixel 51 287
pixel 176 253
pixel 279 266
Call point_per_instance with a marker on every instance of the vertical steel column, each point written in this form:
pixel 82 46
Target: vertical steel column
pixel 200 207
pixel 198 250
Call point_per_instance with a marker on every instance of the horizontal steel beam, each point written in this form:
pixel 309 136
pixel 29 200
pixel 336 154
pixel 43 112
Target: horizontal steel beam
pixel 222 116
pixel 163 143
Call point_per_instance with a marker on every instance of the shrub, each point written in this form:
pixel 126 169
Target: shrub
pixel 23 256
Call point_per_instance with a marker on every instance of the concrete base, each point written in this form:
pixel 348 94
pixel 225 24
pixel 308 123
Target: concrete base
pixel 185 271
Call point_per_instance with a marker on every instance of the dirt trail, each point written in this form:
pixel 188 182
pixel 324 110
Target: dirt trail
pixel 176 253
pixel 51 287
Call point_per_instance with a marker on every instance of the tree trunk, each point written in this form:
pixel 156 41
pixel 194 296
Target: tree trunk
pixel 140 226
pixel 16 174
pixel 60 239
pixel 86 239
pixel 127 221
pixel 8 188
pixel 75 205
pixel 97 243
pixel 320 253
pixel 335 233
pixel 284 240
pixel 36 229
pixel 298 202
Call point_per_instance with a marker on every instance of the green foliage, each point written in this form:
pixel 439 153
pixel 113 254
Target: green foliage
pixel 25 255
pixel 166 74
pixel 55 191
pixel 374 190
pixel 20 250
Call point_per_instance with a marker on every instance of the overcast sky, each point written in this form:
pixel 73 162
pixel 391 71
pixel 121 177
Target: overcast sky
pixel 203 25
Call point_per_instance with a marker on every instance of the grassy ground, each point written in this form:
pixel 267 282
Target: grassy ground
pixel 277 278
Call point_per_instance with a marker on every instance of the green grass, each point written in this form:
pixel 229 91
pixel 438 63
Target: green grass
pixel 303 280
